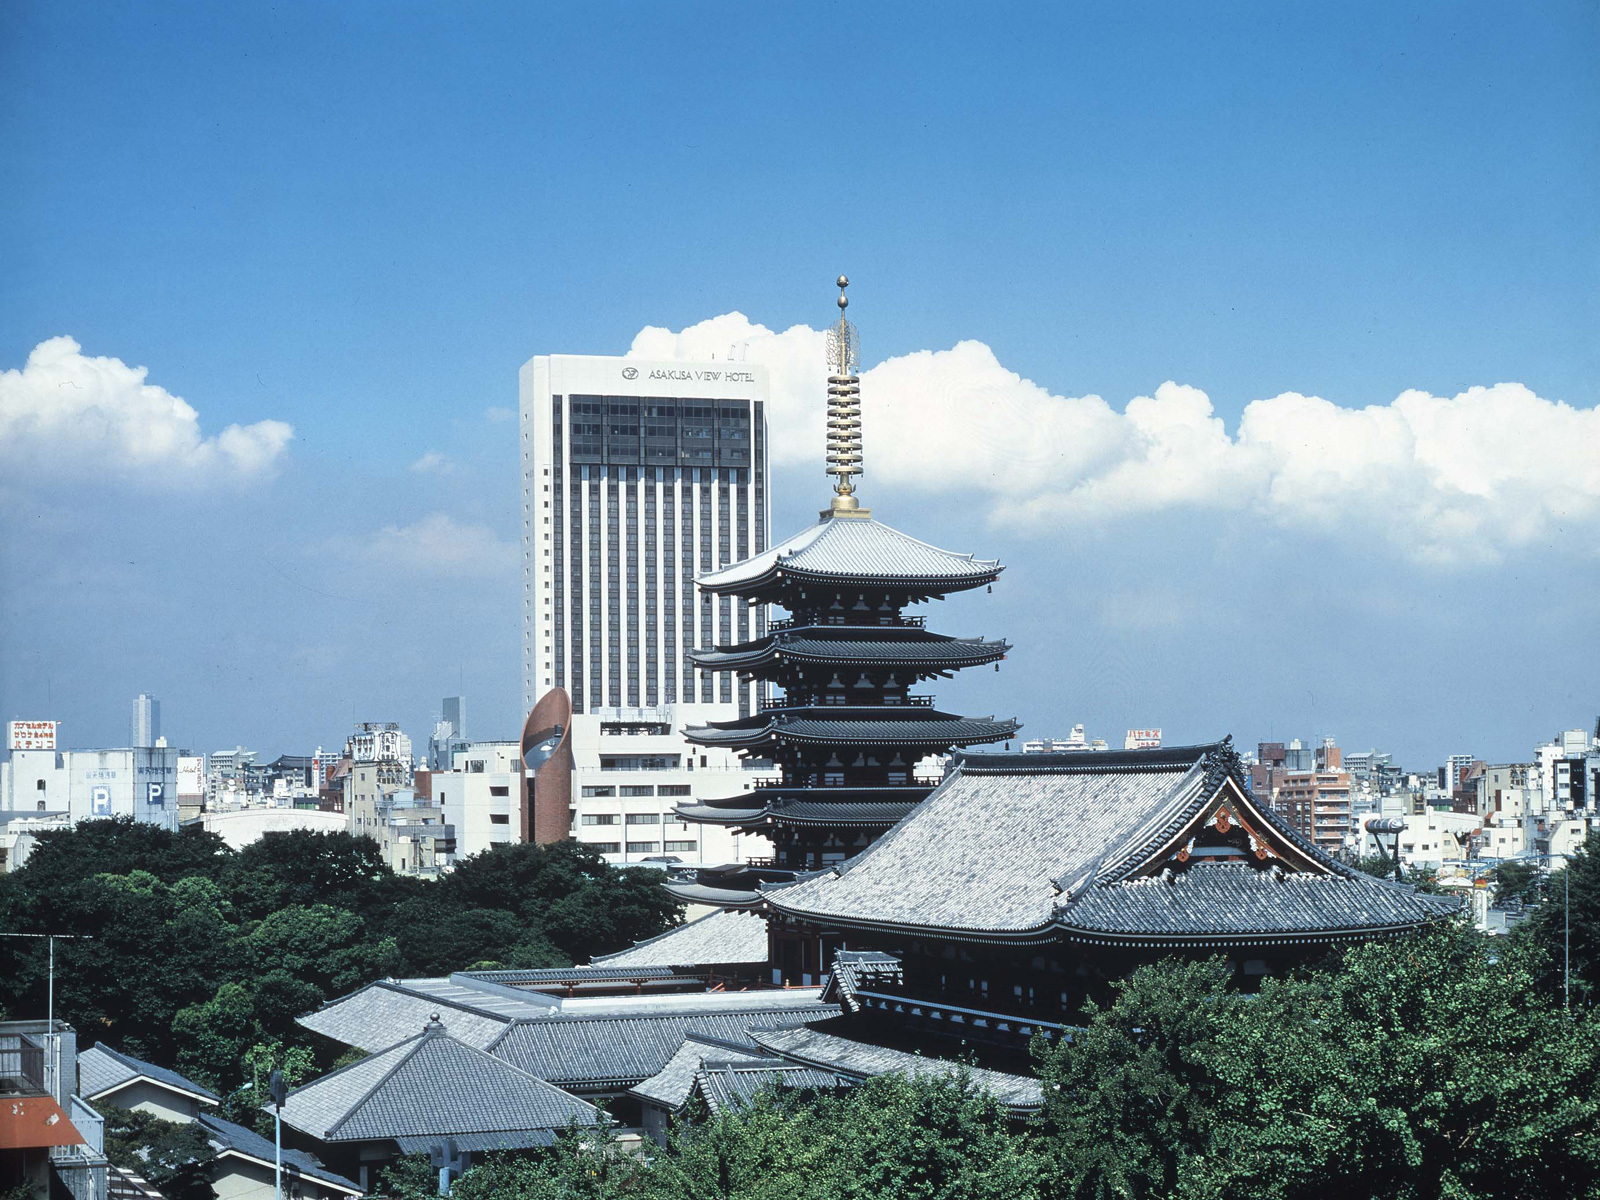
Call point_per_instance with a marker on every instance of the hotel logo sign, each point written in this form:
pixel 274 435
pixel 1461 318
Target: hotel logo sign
pixel 630 372
pixel 31 735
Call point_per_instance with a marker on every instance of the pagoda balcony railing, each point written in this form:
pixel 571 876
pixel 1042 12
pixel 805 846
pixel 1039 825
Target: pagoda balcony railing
pixel 769 703
pixel 868 622
pixel 892 992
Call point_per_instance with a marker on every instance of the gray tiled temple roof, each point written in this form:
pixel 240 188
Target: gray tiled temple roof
pixel 874 726
pixel 722 937
pixel 982 852
pixel 671 1086
pixel 102 1069
pixel 226 1136
pixel 377 1016
pixel 605 1050
pixel 431 1086
pixel 861 1060
pixel 878 645
pixel 736 1082
pixel 1009 846
pixel 854 548
pixel 1235 900
pixel 849 966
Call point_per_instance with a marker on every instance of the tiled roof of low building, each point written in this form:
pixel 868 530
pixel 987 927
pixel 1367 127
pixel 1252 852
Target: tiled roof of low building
pixel 863 1060
pixel 226 1136
pixel 729 937
pixel 734 1083
pixel 622 1048
pixel 430 1086
pixel 377 1016
pixel 102 1069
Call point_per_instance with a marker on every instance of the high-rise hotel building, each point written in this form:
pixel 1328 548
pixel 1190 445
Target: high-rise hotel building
pixel 637 477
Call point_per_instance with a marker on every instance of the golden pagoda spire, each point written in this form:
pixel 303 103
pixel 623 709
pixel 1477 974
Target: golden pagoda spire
pixel 844 414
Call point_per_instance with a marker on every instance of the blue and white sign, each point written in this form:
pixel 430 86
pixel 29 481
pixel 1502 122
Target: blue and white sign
pixel 102 801
pixel 158 795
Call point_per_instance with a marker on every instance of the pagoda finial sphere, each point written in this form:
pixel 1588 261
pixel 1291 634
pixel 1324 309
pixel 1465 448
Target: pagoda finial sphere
pixel 843 282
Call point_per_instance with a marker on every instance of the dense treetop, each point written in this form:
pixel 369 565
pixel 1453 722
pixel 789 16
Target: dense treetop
pixel 195 955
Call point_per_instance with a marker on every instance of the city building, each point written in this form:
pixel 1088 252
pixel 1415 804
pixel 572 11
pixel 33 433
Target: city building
pixel 636 476
pixel 480 796
pixel 848 740
pixel 449 733
pixel 1142 739
pixel 144 727
pixel 412 833
pixel 379 742
pixel 632 770
pixel 228 775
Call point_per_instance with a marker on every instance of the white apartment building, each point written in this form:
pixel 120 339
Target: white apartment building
pixel 631 767
pixel 378 741
pixel 637 476
pixel 480 796
pixel 137 782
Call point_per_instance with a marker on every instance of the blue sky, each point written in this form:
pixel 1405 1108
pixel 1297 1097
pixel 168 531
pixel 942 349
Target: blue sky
pixel 359 221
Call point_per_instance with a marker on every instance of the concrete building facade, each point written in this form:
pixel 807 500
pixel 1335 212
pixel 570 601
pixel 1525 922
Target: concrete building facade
pixel 637 476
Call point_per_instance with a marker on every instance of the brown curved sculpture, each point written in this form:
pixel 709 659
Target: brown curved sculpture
pixel 547 773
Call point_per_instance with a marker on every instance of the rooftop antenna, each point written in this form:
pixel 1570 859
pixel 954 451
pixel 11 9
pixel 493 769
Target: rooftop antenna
pixel 844 413
pixel 50 1004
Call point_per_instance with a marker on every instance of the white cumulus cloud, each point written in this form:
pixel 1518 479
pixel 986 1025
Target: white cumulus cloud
pixel 438 544
pixel 1447 480
pixel 432 462
pixel 65 412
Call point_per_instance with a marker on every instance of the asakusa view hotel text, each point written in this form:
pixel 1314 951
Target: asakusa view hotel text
pixel 636 477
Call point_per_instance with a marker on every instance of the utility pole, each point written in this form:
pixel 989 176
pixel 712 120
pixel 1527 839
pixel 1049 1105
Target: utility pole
pixel 280 1093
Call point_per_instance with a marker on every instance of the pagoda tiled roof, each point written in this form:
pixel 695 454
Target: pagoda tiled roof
pixel 875 645
pixel 801 812
pixel 866 726
pixel 854 548
pixel 1026 847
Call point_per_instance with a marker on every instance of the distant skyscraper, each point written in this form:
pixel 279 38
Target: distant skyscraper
pixel 636 477
pixel 145 727
pixel 455 711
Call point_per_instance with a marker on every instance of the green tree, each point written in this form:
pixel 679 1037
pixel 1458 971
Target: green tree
pixel 1131 1098
pixel 1515 880
pixel 174 1156
pixel 1576 885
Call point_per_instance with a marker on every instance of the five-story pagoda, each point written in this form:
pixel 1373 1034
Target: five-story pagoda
pixel 848 732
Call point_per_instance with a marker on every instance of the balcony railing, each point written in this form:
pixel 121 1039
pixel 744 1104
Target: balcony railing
pixel 769 703
pixel 22 1063
pixel 867 622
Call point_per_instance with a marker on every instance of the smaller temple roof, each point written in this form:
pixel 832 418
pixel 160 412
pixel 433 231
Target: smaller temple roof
pixel 380 1014
pixel 623 1045
pixel 1231 900
pixel 229 1138
pixel 728 937
pixel 855 1060
pixel 102 1069
pixel 428 1087
pixel 855 548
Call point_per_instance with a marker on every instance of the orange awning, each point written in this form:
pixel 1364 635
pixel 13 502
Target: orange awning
pixel 30 1122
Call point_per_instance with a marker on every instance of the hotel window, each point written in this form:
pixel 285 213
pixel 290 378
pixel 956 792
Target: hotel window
pixel 607 847
pixel 599 791
pixel 499 818
pixel 644 819
pixel 679 846
pixel 673 789
pixel 643 847
pixel 638 790
pixel 599 818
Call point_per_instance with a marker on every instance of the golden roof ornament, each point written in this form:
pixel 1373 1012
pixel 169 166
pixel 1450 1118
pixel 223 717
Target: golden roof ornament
pixel 844 413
